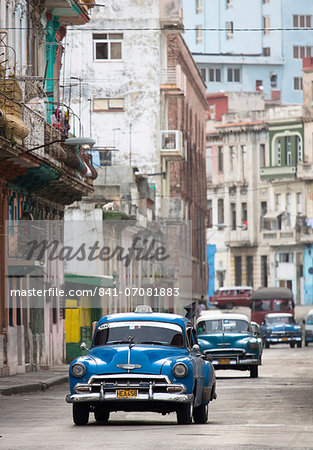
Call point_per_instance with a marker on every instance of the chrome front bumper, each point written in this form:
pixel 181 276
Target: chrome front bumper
pixel 283 339
pixel 101 388
pixel 97 397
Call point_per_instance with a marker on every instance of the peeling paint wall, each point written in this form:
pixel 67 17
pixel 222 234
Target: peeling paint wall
pixel 136 78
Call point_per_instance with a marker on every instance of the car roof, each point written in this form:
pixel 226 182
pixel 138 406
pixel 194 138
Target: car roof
pixel 219 315
pixel 269 293
pixel 154 317
pixel 224 288
pixel 279 315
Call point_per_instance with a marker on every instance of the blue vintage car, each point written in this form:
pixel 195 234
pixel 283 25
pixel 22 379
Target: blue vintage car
pixel 281 328
pixel 142 362
pixel 229 341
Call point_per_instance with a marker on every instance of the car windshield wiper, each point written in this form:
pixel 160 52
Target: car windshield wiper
pixel 154 342
pixel 118 341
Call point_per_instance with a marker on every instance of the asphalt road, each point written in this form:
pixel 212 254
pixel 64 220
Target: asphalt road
pixel 273 411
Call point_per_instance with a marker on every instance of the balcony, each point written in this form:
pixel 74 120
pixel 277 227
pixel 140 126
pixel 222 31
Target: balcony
pixel 279 237
pixel 305 171
pixel 173 81
pixel 278 172
pixel 238 238
pixel 171 15
pixel 172 144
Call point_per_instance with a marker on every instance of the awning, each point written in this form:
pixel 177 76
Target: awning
pixel 99 280
pixel 273 214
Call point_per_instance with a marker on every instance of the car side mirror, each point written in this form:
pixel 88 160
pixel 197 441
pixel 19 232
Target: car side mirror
pixel 83 346
pixel 196 348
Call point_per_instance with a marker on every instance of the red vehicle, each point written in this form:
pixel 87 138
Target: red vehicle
pixel 228 297
pixel 271 300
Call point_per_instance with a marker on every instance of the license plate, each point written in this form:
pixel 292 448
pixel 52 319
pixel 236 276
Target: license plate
pixel 224 361
pixel 126 393
pixel 284 339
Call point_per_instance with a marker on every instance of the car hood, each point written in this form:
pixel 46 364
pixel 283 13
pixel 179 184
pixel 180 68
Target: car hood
pixel 150 357
pixel 282 327
pixel 220 340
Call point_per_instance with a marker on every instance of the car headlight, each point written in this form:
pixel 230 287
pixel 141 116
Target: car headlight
pixel 78 370
pixel 180 370
pixel 253 345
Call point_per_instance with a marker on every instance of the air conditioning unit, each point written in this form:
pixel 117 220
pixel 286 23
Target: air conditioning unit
pixel 172 144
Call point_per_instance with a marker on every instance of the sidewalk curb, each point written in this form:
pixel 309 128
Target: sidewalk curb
pixel 33 387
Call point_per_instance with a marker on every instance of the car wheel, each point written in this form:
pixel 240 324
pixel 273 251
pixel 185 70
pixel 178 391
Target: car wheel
pixel 229 305
pixel 201 413
pixel 267 345
pixel 254 373
pixel 101 415
pixel 299 344
pixel 80 414
pixel 292 344
pixel 306 343
pixel 184 413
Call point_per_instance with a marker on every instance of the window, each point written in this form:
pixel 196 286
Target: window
pixel 288 154
pixel 209 214
pixel 199 34
pixel 297 84
pixel 105 158
pixel 229 30
pixel 203 73
pixel 199 6
pixel 273 80
pixel 278 202
pixel 299 148
pixel 220 210
pixel 266 24
pixel 215 75
pixel 249 270
pixel 267 51
pixel 299 202
pixel 301 21
pixel 266 1
pixel 233 75
pixel 107 46
pixel 244 213
pixel 285 257
pixel 262 155
pixel 231 157
pixel 264 278
pixel 288 201
pixel 263 212
pixel 229 4
pixel 108 104
pixel 238 281
pixel 278 153
pixel 220 159
pixel 233 215
pixel 302 51
pixel 258 85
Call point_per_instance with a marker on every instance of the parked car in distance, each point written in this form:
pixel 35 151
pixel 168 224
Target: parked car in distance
pixel 308 329
pixel 229 341
pixel 228 297
pixel 281 328
pixel 142 361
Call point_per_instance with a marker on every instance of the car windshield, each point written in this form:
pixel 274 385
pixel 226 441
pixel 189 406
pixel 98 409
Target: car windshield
pixel 139 332
pixel 279 319
pixel 220 325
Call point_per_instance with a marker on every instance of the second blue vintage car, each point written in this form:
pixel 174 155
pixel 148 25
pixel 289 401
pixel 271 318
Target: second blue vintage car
pixel 281 328
pixel 229 341
pixel 142 361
